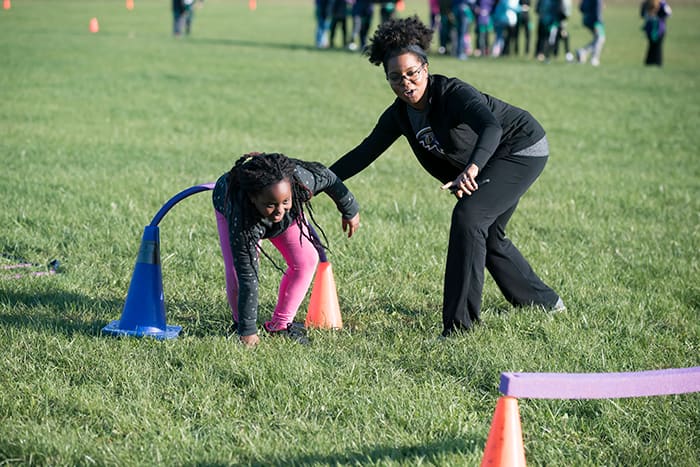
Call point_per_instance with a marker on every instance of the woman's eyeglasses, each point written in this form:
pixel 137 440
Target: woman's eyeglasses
pixel 411 75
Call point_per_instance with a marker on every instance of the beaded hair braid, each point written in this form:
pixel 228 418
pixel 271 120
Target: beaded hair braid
pixel 254 172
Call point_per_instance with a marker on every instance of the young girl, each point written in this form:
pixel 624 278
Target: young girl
pixel 264 196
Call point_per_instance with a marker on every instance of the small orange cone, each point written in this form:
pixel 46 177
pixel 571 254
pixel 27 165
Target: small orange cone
pixel 324 310
pixel 252 4
pixel 129 4
pixel 6 5
pixel 400 5
pixel 504 446
pixel 94 25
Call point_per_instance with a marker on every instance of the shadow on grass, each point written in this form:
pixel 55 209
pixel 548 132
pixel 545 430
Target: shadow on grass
pixel 203 323
pixel 69 313
pixel 195 38
pixel 431 453
pixel 55 310
pixel 691 298
pixel 266 45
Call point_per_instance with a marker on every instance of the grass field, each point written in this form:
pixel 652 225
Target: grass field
pixel 97 131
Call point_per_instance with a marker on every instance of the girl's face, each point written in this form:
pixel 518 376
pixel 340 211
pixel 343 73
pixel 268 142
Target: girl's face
pixel 408 78
pixel 274 200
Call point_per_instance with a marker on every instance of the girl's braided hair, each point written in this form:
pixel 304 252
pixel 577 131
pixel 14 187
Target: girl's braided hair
pixel 254 172
pixel 398 36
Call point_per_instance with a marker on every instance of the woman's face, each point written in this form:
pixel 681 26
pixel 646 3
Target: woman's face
pixel 273 201
pixel 408 78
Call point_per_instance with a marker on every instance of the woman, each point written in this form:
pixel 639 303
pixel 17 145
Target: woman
pixel 483 150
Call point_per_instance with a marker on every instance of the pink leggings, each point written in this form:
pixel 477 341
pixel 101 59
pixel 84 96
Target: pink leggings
pixel 301 259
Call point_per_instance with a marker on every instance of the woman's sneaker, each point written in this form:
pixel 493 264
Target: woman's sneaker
pixel 558 307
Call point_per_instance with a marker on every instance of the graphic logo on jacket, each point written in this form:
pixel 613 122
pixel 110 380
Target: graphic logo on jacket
pixel 426 138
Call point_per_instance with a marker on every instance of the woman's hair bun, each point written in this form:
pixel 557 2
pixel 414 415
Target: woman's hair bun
pixel 396 36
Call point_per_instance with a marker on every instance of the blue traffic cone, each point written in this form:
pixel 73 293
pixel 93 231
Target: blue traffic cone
pixel 144 309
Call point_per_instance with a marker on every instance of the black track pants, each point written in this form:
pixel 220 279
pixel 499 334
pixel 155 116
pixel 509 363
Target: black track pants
pixel 654 52
pixel 478 241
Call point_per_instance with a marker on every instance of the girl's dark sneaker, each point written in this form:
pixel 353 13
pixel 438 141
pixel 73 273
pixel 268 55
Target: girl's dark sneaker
pixel 294 331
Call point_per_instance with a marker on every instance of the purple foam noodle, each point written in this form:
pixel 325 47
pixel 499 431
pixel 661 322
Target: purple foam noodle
pixel 29 274
pixel 601 385
pixel 210 186
pixel 17 266
pixel 53 265
pixel 177 198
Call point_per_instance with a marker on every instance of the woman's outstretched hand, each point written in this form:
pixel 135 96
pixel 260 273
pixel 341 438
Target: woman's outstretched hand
pixel 465 184
pixel 351 225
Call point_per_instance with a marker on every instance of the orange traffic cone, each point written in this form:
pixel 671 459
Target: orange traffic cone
pixel 504 446
pixel 252 4
pixel 6 5
pixel 324 310
pixel 129 4
pixel 94 25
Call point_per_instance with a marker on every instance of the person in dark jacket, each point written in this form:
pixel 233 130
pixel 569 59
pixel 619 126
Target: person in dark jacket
pixel 655 13
pixel 267 196
pixel 482 149
pixel 340 15
pixel 362 11
pixel 183 13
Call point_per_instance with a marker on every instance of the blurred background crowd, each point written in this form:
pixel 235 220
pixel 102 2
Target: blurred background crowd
pixel 472 28
pixel 476 28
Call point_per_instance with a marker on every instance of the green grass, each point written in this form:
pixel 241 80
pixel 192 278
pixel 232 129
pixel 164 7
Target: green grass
pixel 97 131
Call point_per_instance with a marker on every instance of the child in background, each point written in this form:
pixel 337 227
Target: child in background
pixel 592 11
pixel 523 23
pixel 462 11
pixel 387 11
pixel 183 13
pixel 655 13
pixel 551 29
pixel 484 24
pixel 545 17
pixel 434 12
pixel 362 11
pixel 505 17
pixel 561 32
pixel 340 14
pixel 323 22
pixel 267 196
pixel 447 26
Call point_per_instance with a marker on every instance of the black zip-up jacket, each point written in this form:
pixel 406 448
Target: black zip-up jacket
pixel 471 127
